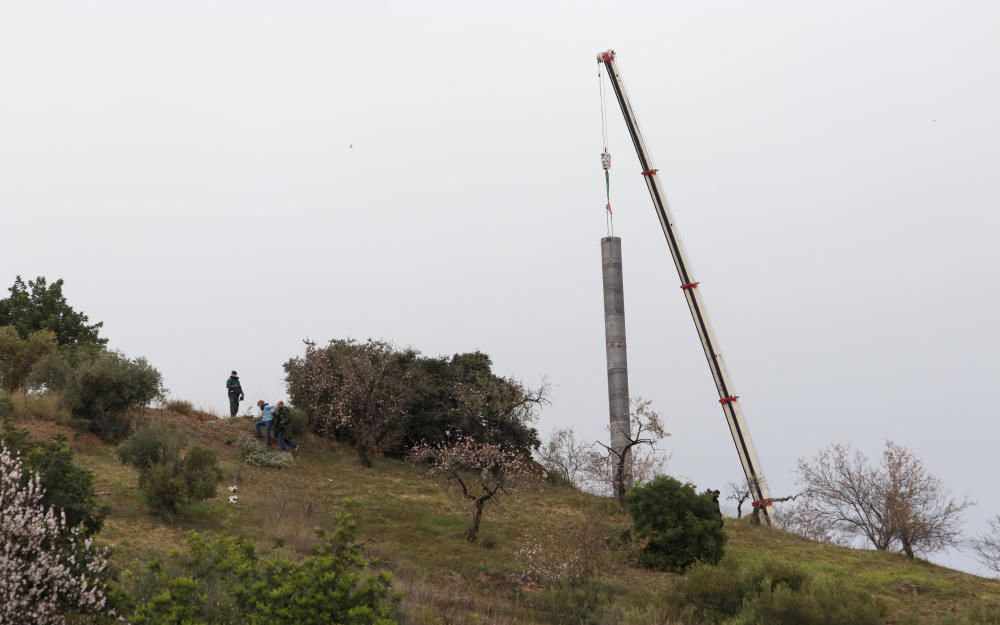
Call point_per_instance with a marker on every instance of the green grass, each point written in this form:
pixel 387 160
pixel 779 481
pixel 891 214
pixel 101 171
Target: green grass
pixel 416 530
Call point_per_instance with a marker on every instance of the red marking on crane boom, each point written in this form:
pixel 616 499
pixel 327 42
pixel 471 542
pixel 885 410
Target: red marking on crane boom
pixel 728 400
pixel 690 285
pixel 649 172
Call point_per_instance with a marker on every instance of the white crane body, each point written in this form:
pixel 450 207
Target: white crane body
pixel 692 293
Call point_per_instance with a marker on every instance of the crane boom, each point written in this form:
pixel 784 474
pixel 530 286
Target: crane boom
pixel 727 396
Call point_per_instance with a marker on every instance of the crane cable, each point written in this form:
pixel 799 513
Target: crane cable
pixel 605 155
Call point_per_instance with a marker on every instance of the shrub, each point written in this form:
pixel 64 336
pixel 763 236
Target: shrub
pixel 585 549
pixel 103 390
pixel 221 579
pixel 577 605
pixel 48 569
pixel 66 486
pixel 170 476
pixel 6 406
pixel 200 468
pixel 47 406
pixel 773 593
pixel 678 527
pixel 253 453
pixel 18 356
pixel 179 406
pixel 814 604
pixel 164 488
pixel 298 424
pixel 151 443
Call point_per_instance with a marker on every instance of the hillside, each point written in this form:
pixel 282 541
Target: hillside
pixel 415 530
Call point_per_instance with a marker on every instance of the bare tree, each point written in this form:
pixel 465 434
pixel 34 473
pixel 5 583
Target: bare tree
pixel 640 447
pixel 356 390
pixel 988 546
pixel 924 516
pixel 739 493
pixel 565 456
pixel 896 504
pixel 802 520
pixel 479 471
pixel 845 494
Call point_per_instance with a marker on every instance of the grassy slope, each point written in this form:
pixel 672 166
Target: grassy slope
pixel 417 532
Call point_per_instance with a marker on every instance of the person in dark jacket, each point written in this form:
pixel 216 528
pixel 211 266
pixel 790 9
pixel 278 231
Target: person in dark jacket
pixel 718 508
pixel 282 418
pixel 235 393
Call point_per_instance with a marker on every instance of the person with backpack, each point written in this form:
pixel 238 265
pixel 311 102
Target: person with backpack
pixel 266 420
pixel 235 393
pixel 282 420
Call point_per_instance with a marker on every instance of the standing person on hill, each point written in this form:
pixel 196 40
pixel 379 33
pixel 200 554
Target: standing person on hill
pixel 718 508
pixel 266 420
pixel 235 393
pixel 282 417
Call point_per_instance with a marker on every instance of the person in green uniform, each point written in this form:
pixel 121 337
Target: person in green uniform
pixel 235 393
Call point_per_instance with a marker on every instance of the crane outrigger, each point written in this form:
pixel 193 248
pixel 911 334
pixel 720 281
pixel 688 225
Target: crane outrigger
pixel 727 396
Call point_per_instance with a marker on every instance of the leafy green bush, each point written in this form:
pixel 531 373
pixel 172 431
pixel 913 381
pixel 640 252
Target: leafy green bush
pixel 179 406
pixel 170 476
pixel 815 603
pixel 773 593
pixel 577 604
pixel 253 453
pixel 221 579
pixel 298 424
pixel 200 468
pixel 151 443
pixel 67 486
pixel 164 488
pixel 103 390
pixel 677 526
pixel 18 356
pixel 712 593
pixel 6 406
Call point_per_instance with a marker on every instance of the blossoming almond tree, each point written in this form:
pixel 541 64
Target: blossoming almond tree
pixel 47 569
pixel 479 471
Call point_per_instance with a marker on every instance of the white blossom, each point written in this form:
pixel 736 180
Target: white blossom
pixel 46 568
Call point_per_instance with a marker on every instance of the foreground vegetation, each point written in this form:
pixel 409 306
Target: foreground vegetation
pixel 415 530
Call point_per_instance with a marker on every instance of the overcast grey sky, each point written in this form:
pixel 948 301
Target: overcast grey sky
pixel 185 167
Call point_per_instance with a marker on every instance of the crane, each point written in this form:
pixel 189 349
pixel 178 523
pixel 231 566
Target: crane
pixel 727 396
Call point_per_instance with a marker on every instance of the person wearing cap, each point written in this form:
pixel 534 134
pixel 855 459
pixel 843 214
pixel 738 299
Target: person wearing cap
pixel 235 393
pixel 266 420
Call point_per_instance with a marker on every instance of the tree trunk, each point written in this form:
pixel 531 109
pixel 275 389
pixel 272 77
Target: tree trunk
pixel 908 549
pixel 477 517
pixel 365 459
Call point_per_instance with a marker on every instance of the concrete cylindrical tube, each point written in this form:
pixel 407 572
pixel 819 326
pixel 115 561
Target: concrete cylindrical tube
pixel 614 335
